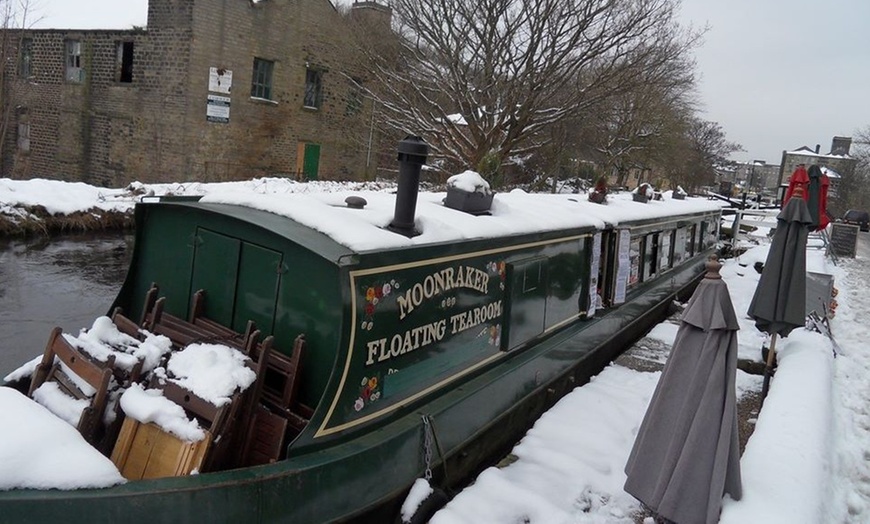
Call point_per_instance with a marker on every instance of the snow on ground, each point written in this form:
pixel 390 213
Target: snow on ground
pixel 39 450
pixel 808 460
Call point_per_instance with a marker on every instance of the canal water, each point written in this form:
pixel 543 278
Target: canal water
pixel 63 281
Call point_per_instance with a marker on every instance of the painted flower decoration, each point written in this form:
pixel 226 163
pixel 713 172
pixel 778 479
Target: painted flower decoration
pixel 373 383
pixel 359 404
pixel 370 294
pixel 386 289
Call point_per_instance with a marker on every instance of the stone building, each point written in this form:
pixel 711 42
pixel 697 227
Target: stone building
pixel 210 90
pixel 758 176
pixel 838 159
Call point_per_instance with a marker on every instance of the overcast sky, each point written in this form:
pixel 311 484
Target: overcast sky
pixel 775 74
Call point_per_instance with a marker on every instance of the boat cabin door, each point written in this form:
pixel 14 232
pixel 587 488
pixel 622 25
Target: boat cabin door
pixel 240 279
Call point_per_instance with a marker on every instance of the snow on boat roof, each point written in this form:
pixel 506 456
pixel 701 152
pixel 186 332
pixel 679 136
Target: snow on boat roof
pixel 513 213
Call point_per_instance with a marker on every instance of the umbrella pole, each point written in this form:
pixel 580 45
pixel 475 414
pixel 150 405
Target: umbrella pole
pixel 768 368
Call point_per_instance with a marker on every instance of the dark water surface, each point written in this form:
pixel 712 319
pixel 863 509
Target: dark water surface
pixel 63 281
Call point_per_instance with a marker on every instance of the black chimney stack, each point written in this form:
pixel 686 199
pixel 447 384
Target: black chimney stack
pixel 412 155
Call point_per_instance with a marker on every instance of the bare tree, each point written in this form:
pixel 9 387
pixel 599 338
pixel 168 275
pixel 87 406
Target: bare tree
pixel 482 80
pixel 15 15
pixel 704 149
pixel 854 191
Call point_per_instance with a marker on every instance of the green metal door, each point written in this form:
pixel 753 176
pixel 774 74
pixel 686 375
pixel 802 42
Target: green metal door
pixel 215 268
pixel 259 274
pixel 311 161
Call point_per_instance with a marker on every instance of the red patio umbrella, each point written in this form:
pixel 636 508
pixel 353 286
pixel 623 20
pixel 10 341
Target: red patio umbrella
pixel 815 193
pixel 798 178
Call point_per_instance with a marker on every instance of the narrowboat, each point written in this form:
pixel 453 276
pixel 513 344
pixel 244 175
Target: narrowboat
pixel 433 337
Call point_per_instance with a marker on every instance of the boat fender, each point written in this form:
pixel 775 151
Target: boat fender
pixel 422 503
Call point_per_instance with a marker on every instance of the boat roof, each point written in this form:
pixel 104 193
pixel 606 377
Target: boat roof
pixel 365 230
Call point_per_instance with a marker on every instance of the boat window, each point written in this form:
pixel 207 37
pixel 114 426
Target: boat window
pixel 634 253
pixel 679 250
pixel 702 234
pixel 528 293
pixel 650 256
pixel 666 250
pixel 690 241
pixel 568 267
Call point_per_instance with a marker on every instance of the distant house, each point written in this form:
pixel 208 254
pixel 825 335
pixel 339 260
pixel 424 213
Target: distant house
pixel 758 176
pixel 210 90
pixel 837 160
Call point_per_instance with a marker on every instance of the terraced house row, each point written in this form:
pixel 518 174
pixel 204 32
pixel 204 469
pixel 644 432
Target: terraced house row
pixel 209 90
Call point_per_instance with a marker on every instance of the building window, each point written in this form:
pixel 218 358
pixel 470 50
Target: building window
pixel 261 83
pixel 124 62
pixel 313 88
pixel 24 66
pixel 354 97
pixel 24 137
pixel 74 71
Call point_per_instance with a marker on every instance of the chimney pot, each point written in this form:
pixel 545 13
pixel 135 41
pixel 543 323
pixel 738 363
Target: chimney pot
pixel 413 152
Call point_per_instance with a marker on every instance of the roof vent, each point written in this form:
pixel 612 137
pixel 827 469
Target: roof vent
pixel 355 202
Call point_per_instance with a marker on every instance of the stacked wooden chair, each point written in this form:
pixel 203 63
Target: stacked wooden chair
pixel 271 408
pixel 253 428
pixel 59 359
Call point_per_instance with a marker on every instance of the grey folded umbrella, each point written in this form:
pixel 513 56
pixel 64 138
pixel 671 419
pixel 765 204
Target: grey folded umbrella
pixel 779 303
pixel 686 455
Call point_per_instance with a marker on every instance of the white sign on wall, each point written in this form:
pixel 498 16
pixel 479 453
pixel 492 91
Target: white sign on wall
pixel 218 109
pixel 220 80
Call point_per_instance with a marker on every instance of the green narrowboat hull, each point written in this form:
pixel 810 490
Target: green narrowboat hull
pixel 364 444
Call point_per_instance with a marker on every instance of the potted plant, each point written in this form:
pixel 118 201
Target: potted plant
pixel 642 193
pixel 469 192
pixel 599 192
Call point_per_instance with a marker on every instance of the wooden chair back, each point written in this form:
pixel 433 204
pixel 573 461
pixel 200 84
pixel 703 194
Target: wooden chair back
pixel 125 325
pixel 98 376
pixel 212 417
pixel 150 300
pixel 281 383
pixel 222 334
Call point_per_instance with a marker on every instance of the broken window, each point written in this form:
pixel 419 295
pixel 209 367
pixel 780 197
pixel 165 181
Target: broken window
pixel 354 97
pixel 313 88
pixel 24 137
pixel 261 80
pixel 124 62
pixel 24 66
pixel 74 71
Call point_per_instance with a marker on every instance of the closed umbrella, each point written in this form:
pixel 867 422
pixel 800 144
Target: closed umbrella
pixel 817 198
pixel 799 178
pixel 686 455
pixel 779 303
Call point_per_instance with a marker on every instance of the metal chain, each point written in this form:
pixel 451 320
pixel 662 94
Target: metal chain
pixel 427 446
